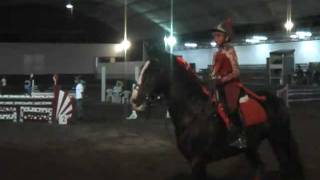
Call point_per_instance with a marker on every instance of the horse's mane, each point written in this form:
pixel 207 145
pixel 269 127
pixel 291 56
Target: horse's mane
pixel 184 71
pixel 192 76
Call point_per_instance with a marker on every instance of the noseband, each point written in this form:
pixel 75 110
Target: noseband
pixel 150 99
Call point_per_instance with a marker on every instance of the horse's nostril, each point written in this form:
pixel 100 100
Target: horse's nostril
pixel 134 101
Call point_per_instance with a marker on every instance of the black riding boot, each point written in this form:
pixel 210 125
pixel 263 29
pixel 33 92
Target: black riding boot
pixel 237 137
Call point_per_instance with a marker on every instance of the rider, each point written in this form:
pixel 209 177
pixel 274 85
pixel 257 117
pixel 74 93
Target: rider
pixel 226 76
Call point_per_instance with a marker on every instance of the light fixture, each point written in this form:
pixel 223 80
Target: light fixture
pixel 213 44
pixel 191 45
pixel 252 41
pixel 301 35
pixel 69 6
pixel 126 44
pixel 288 25
pixel 294 36
pixel 256 39
pixel 170 41
pixel 260 38
pixel 123 46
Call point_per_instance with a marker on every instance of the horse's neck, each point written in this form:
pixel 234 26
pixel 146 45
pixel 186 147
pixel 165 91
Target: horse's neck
pixel 186 103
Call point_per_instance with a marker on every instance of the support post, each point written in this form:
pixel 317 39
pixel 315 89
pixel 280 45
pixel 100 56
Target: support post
pixel 103 83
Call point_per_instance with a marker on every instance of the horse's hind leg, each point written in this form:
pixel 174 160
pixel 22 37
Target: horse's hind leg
pixel 286 151
pixel 199 171
pixel 257 164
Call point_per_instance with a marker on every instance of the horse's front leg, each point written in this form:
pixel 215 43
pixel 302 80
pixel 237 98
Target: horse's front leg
pixel 256 162
pixel 199 170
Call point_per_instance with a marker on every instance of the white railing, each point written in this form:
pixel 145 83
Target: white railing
pixel 299 94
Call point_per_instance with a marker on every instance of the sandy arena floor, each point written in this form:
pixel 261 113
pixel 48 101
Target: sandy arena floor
pixel 105 146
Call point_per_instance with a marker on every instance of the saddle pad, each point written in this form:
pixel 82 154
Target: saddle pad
pixel 252 112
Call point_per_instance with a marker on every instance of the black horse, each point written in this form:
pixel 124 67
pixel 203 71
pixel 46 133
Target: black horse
pixel 200 133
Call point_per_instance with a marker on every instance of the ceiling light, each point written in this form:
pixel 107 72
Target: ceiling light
pixel 213 44
pixel 170 41
pixel 126 44
pixel 252 41
pixel 303 34
pixel 294 36
pixel 191 45
pixel 123 46
pixel 69 6
pixel 288 25
pixel 256 39
pixel 260 38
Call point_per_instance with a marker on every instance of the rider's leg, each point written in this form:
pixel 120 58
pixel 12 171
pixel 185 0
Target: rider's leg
pixel 237 137
pixel 229 103
pixel 222 113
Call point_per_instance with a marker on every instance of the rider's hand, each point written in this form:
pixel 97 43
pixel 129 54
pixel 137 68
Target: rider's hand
pixel 219 81
pixel 213 76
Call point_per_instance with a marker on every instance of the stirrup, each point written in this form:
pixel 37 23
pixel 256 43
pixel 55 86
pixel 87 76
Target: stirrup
pixel 240 142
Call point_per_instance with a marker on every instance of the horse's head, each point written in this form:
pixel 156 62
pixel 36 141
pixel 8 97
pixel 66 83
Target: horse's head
pixel 151 83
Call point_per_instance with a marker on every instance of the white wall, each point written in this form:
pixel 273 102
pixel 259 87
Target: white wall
pixel 26 58
pixel 305 51
pixel 120 69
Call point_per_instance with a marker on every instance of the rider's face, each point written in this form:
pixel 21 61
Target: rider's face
pixel 219 38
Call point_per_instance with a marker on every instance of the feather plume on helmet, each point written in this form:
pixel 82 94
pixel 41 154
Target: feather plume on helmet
pixel 226 28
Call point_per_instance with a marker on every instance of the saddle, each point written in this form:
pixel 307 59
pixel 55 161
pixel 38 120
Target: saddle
pixel 250 107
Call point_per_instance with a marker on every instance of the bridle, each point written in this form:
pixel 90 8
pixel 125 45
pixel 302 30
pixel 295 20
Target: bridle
pixel 150 99
pixel 136 87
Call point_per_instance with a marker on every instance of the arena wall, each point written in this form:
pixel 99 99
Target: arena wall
pixel 305 52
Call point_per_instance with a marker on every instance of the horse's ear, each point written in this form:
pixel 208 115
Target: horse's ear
pixel 153 49
pixel 148 47
pixel 154 60
pixel 156 53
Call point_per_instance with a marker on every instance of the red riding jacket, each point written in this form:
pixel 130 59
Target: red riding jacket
pixel 226 67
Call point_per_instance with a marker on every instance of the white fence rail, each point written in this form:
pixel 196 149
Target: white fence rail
pixel 299 94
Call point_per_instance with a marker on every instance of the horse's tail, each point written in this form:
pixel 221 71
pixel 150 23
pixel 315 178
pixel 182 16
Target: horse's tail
pixel 282 140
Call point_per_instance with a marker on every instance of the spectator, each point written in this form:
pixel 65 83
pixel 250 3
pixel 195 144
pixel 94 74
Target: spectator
pixel 117 92
pixel 126 97
pixel 309 76
pixel 79 98
pixel 3 85
pixel 27 87
pixel 55 79
pixel 133 114
pixel 84 84
pixel 118 87
pixel 299 75
pixel 316 77
pixel 31 86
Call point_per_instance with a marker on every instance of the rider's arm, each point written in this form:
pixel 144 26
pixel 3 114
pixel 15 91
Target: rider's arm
pixel 232 56
pixel 216 66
